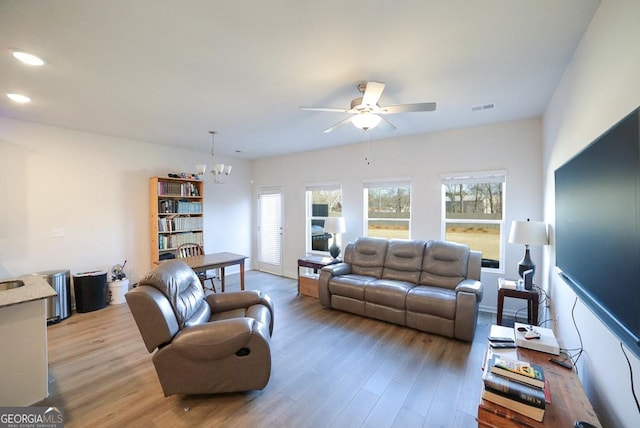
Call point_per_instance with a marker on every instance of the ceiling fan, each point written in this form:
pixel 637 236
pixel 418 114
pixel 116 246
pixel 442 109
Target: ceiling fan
pixel 366 112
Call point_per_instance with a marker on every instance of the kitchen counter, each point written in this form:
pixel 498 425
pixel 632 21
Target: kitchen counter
pixel 23 334
pixel 35 288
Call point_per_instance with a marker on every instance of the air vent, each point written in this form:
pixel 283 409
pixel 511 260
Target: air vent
pixel 483 107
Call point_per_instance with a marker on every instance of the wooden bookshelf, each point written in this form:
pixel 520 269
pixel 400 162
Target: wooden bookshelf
pixel 176 208
pixel 569 402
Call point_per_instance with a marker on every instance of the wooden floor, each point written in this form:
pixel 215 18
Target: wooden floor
pixel 330 369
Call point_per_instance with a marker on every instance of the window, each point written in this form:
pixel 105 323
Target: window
pixel 387 208
pixel 473 213
pixel 323 200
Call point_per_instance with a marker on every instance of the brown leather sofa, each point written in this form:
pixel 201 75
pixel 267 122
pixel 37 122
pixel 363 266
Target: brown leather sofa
pixel 432 286
pixel 212 344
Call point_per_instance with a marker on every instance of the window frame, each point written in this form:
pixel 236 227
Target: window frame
pixel 309 217
pixel 475 177
pixel 386 183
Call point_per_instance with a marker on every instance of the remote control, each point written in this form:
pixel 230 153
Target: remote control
pixel 500 339
pixel 503 345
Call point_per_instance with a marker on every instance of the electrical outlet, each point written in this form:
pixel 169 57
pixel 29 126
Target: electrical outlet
pixel 57 232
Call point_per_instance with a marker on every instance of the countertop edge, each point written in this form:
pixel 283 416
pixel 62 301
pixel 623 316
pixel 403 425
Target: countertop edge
pixel 35 288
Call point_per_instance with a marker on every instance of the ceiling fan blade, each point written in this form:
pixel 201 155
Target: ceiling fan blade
pixel 372 93
pixel 338 125
pixel 407 108
pixel 385 124
pixel 335 110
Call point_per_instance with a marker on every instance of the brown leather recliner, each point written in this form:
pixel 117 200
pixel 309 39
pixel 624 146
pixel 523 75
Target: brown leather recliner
pixel 218 343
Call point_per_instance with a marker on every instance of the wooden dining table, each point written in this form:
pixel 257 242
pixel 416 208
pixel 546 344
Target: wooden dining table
pixel 217 261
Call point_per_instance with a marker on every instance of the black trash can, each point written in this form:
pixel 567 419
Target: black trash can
pixel 91 290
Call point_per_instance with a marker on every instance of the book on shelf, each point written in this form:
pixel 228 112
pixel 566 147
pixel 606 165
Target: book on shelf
pixel 514 369
pixel 169 188
pixel 527 410
pixel 518 391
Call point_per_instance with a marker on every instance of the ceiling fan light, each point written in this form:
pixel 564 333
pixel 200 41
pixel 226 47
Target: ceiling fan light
pixel 19 98
pixel 365 121
pixel 28 58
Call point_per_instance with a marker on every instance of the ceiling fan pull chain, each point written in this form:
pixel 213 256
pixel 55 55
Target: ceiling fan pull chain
pixel 366 158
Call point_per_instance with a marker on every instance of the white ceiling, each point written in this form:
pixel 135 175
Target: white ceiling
pixel 168 71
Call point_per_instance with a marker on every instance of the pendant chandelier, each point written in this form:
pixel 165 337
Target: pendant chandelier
pixel 219 171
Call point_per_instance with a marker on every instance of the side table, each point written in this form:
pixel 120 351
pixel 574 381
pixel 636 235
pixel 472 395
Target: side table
pixel 531 296
pixel 314 262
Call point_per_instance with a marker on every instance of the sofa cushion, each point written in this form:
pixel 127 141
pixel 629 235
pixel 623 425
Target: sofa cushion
pixel 444 264
pixel 389 293
pixel 403 261
pixel 436 301
pixel 367 256
pixel 349 285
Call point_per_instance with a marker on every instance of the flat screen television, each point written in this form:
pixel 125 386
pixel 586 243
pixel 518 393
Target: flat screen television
pixel 597 227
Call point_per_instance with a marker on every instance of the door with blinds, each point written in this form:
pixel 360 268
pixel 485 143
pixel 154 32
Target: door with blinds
pixel 270 231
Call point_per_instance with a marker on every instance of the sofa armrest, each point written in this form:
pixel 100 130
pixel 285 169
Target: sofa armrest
pixel 326 273
pixel 468 295
pixel 338 269
pixel 470 286
pixel 214 340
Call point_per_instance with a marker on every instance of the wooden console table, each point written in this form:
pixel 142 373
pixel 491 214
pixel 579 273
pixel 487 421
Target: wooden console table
pixel 569 402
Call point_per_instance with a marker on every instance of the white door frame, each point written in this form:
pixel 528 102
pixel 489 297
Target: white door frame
pixel 273 262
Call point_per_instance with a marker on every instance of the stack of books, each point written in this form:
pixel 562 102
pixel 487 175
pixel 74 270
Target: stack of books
pixel 515 385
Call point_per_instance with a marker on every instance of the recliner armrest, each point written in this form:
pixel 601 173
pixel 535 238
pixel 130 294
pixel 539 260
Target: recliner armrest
pixel 470 286
pixel 221 302
pixel 214 340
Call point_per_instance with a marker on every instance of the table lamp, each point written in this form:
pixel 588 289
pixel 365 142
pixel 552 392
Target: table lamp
pixel 334 225
pixel 528 233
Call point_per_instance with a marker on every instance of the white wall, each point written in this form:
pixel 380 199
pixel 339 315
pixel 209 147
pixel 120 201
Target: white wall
pixel 514 147
pixel 97 189
pixel 599 87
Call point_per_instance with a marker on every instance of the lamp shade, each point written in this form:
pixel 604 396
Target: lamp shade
pixel 334 225
pixel 366 120
pixel 528 233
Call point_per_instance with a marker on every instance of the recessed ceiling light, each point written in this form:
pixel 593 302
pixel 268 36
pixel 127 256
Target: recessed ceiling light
pixel 28 58
pixel 19 98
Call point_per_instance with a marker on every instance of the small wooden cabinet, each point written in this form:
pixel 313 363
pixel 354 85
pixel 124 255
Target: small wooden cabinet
pixel 308 284
pixel 176 211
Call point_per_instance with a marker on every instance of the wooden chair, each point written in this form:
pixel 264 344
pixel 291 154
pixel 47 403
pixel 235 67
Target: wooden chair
pixel 189 250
